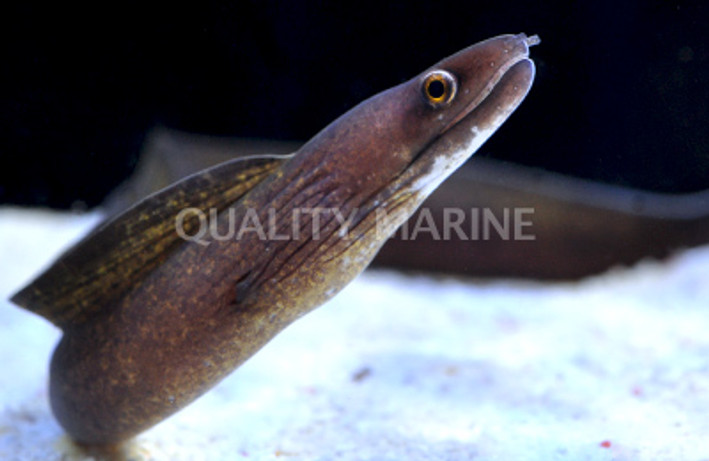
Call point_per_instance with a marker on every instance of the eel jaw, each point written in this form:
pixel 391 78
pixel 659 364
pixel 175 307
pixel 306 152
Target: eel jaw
pixel 495 79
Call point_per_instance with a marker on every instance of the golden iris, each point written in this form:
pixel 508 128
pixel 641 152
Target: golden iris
pixel 439 87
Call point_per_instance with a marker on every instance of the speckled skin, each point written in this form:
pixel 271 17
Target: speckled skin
pixel 140 345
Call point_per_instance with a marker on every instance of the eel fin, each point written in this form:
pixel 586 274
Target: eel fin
pixel 89 277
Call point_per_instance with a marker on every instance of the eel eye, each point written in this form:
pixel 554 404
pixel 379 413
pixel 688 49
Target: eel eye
pixel 439 87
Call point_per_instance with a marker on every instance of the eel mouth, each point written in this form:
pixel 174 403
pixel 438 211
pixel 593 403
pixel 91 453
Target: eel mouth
pixel 496 77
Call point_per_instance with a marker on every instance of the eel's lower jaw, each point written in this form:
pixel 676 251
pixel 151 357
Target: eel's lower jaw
pixel 507 95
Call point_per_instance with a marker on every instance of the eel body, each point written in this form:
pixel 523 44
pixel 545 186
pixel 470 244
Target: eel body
pixel 166 299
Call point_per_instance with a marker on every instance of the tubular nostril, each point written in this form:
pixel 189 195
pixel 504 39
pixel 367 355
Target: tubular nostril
pixel 533 40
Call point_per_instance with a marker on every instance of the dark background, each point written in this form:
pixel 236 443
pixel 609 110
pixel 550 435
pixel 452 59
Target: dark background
pixel 621 94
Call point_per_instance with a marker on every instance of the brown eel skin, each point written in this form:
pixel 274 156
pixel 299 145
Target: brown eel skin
pixel 153 317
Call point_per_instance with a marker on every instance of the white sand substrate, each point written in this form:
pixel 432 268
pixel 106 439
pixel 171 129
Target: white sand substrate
pixel 404 367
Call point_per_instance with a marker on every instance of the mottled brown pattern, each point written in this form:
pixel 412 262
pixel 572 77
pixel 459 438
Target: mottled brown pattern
pixel 152 321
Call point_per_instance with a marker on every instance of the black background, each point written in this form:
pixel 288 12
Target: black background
pixel 621 92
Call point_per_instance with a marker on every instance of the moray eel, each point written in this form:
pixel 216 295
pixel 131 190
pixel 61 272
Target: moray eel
pixel 166 299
